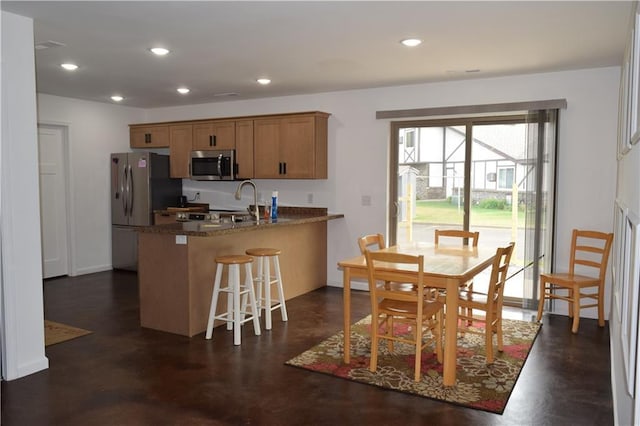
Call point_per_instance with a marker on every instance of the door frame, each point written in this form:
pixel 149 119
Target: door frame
pixel 68 189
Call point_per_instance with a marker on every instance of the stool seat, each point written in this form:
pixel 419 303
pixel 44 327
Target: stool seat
pixel 234 259
pixel 262 251
pixel 266 256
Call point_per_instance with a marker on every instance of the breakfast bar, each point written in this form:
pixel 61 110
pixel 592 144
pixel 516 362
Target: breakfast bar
pixel 176 263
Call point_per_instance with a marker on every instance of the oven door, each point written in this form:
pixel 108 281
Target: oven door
pixel 212 165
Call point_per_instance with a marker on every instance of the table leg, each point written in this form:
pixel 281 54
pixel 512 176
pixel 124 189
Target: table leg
pixel 346 297
pixel 451 333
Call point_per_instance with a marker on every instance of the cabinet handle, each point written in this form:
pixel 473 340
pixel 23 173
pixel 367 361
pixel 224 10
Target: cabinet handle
pixel 279 168
pixel 147 138
pixel 284 168
pixel 214 140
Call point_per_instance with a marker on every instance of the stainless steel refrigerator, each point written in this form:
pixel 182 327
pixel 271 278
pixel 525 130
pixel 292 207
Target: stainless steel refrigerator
pixel 140 184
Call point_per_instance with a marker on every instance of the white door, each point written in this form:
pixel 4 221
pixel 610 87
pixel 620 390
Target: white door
pixel 53 201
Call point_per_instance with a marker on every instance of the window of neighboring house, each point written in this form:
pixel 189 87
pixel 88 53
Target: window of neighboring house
pixel 505 177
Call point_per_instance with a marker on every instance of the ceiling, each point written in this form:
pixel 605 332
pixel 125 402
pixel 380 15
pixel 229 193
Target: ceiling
pixel 219 49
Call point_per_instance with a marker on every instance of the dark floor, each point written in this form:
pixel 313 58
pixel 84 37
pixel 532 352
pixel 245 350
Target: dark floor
pixel 125 375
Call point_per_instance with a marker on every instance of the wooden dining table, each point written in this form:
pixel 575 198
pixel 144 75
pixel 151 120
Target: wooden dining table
pixel 445 268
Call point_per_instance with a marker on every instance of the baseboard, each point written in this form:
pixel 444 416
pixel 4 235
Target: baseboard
pixel 29 368
pixel 90 270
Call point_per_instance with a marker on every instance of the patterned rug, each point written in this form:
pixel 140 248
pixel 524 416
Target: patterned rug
pixel 477 385
pixel 55 332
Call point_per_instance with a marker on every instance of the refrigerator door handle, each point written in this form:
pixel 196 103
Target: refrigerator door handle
pixel 124 191
pixel 131 190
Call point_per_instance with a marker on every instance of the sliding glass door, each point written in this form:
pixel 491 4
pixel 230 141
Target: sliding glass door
pixel 492 174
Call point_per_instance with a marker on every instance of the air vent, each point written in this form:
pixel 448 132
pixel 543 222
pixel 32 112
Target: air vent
pixel 48 44
pixel 218 95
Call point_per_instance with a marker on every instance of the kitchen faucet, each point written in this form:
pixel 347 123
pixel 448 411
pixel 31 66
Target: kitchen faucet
pixel 255 196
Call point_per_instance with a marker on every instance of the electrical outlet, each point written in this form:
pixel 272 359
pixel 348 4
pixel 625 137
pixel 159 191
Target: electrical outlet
pixel 365 200
pixel 310 198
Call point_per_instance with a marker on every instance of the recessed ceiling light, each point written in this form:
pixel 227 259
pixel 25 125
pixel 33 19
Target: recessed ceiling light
pixel 263 81
pixel 117 98
pixel 411 42
pixel 69 67
pixel 183 90
pixel 160 51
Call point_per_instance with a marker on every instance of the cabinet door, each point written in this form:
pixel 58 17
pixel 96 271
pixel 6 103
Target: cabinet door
pixel 180 138
pixel 267 162
pixel 244 148
pixel 149 136
pixel 214 135
pixel 298 147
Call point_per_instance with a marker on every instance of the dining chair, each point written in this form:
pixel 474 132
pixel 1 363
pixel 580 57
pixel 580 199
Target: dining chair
pixel 490 303
pixel 465 238
pixel 408 307
pixel 589 252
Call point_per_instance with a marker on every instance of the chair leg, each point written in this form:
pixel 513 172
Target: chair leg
pixel 259 281
pixel 252 300
pixel 214 301
pixel 488 331
pixel 266 281
pixel 418 349
pixel 469 310
pixel 283 306
pixel 439 335
pixel 234 272
pixel 601 305
pixel 572 297
pixel 499 333
pixel 373 361
pixel 389 330
pixel 575 307
pixel 542 298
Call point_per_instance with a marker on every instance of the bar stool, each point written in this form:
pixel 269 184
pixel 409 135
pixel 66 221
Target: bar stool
pixel 264 279
pixel 235 315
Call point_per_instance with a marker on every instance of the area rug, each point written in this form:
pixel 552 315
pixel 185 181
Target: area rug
pixel 55 332
pixel 477 385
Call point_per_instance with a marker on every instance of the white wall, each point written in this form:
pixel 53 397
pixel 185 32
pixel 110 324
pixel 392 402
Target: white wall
pixel 358 147
pixel 21 318
pixel 627 409
pixel 95 130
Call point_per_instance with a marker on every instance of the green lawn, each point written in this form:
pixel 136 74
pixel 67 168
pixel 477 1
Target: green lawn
pixel 446 213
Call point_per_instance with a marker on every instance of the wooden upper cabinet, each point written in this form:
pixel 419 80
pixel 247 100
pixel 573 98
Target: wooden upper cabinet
pixel 180 140
pixel 156 136
pixel 214 135
pixel 244 149
pixel 266 148
pixel 286 146
pixel 291 147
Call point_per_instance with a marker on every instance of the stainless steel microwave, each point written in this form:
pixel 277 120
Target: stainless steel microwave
pixel 213 165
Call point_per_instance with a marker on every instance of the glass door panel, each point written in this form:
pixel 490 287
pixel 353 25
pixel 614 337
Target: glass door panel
pixel 430 181
pixel 497 192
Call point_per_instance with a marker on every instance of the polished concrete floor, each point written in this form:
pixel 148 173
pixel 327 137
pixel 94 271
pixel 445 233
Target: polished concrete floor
pixel 123 374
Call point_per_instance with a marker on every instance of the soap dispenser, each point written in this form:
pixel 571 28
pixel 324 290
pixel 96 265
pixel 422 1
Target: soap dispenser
pixel 274 205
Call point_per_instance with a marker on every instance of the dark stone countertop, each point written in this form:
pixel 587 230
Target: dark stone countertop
pixel 288 217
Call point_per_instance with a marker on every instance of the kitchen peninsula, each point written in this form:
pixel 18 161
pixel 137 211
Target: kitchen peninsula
pixel 176 264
